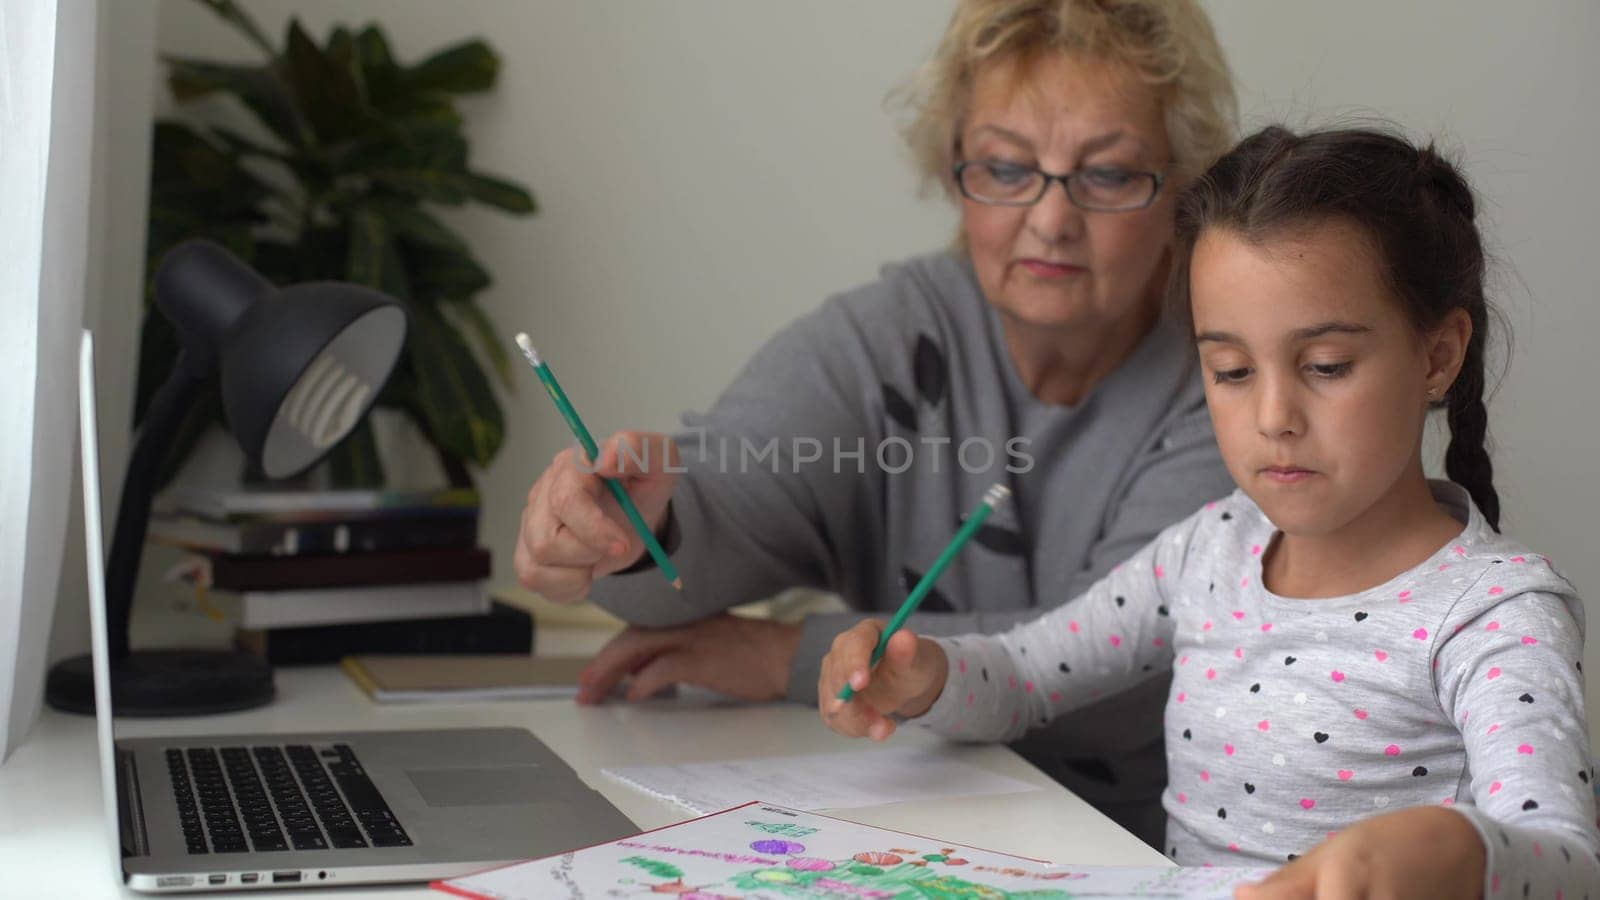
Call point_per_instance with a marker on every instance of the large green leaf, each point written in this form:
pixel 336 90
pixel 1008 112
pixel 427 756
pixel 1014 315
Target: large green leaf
pixel 233 15
pixel 257 87
pixel 240 145
pixel 454 188
pixel 354 462
pixel 455 399
pixel 373 259
pixel 424 184
pixel 406 143
pixel 416 112
pixel 496 192
pixel 188 170
pixel 341 44
pixel 439 274
pixel 464 68
pixel 378 68
pixel 414 225
pixel 326 87
pixel 490 341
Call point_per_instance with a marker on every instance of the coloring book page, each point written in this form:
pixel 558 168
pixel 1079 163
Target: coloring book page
pixel 759 851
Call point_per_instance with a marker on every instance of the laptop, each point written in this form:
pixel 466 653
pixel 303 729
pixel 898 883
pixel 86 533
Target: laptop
pixel 241 811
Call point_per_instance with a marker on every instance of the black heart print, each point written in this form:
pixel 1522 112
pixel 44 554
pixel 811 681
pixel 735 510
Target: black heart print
pixel 899 408
pixel 928 366
pixel 933 601
pixel 1003 541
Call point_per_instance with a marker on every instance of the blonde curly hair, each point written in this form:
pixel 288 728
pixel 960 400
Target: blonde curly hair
pixel 1167 44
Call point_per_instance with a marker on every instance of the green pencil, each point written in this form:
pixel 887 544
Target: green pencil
pixel 617 490
pixel 991 498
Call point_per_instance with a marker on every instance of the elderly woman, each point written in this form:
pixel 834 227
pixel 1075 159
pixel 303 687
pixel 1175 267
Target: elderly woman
pixel 1034 354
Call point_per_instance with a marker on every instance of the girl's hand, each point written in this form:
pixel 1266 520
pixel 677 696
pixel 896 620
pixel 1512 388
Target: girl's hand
pixel 1425 851
pixel 905 682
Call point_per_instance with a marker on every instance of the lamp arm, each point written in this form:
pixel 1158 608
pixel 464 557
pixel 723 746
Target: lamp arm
pixel 168 407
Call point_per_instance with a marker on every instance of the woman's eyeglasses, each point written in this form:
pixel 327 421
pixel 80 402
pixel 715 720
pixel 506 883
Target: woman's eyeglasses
pixel 1097 189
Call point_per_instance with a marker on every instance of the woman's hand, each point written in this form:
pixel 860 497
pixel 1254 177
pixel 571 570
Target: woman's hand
pixel 740 657
pixel 1422 852
pixel 573 531
pixel 905 682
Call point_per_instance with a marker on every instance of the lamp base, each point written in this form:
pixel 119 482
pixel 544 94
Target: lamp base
pixel 153 683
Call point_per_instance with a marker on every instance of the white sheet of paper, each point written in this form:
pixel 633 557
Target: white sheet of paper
pixel 761 851
pixel 819 781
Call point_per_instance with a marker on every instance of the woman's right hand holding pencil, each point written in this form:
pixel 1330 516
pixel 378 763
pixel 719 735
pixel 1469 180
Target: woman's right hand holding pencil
pixel 573 531
pixel 904 683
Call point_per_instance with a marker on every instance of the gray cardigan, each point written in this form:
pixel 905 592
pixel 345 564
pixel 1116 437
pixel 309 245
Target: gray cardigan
pixel 846 453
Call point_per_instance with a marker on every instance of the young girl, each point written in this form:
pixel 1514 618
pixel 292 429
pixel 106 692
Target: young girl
pixel 1365 672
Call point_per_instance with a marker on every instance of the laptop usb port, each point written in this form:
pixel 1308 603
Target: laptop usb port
pixel 218 879
pixel 283 877
pixel 249 878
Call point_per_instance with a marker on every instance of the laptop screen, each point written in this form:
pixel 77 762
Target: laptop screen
pixel 89 444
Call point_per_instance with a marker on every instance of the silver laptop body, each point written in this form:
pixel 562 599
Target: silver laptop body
pixel 230 812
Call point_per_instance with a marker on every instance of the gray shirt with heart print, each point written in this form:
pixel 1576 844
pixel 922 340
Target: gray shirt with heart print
pixel 1458 682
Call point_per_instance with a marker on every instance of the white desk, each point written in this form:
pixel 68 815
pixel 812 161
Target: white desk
pixel 53 842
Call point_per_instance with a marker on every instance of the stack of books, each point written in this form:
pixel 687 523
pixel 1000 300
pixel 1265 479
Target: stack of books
pixel 312 576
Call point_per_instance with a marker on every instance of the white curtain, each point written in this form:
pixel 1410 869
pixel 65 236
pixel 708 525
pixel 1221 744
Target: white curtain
pixel 47 69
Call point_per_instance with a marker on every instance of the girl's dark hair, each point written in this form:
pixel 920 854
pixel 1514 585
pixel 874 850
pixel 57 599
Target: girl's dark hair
pixel 1416 209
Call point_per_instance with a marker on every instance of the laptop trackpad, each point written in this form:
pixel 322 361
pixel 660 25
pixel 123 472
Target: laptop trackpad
pixel 493 786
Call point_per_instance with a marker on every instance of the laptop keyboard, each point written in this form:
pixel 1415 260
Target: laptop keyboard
pixel 239 799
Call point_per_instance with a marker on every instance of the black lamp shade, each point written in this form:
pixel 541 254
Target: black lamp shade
pixel 300 365
pixel 300 369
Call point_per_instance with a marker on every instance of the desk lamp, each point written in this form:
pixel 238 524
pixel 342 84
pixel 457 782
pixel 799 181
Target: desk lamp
pixel 299 367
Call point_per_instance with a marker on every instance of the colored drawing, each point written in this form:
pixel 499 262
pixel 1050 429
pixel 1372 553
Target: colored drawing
pixel 787 848
pixel 727 856
pixel 811 864
pixel 655 867
pixel 790 830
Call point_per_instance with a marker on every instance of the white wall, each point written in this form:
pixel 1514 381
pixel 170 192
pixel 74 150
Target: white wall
pixel 646 281
pixel 1502 85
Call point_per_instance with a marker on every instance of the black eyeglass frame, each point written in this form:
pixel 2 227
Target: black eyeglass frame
pixel 1157 179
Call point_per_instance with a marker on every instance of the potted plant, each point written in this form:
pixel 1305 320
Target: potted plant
pixel 344 151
